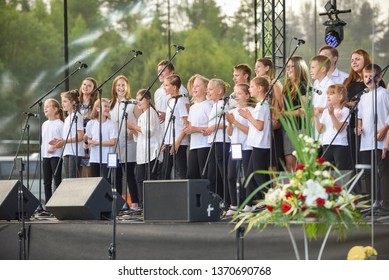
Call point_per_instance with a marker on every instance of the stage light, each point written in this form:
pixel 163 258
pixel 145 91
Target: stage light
pixel 334 25
pixel 334 35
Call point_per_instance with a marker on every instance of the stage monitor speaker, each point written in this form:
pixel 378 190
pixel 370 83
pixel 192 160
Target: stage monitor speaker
pixel 83 199
pixel 180 200
pixel 9 201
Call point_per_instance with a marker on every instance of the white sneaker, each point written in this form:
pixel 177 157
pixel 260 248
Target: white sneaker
pixel 247 208
pixel 135 207
pixel 230 212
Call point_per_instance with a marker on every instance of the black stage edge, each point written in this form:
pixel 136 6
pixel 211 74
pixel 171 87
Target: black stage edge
pixel 89 240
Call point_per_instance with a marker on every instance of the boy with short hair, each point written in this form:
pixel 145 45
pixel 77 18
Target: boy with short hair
pixel 366 128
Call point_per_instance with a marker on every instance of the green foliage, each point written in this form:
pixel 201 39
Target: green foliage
pixel 102 34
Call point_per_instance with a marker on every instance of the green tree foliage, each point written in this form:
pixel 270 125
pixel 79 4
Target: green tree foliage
pixel 103 34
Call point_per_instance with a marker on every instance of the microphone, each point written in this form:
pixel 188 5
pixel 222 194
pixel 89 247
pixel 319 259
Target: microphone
pixel 179 47
pixel 130 102
pixel 318 91
pixel 31 114
pixel 232 96
pixel 300 41
pixel 358 96
pixel 178 96
pixel 83 65
pixel 86 139
pixel 137 52
pixel 226 98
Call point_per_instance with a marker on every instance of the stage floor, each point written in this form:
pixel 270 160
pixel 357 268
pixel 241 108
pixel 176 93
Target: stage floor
pixel 51 239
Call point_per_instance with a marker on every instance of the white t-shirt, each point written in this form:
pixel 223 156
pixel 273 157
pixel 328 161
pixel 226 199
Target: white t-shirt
pixel 320 98
pixel 238 136
pixel 70 148
pixel 116 116
pixel 50 130
pixel 366 107
pixel 161 99
pixel 214 116
pixel 338 76
pixel 142 138
pixel 180 111
pixel 260 138
pixel 330 132
pixel 199 116
pixel 108 131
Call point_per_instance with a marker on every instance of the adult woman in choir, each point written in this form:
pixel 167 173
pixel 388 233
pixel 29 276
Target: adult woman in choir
pixel 121 99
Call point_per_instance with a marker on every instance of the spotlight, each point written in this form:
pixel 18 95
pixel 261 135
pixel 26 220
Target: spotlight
pixel 334 34
pixel 334 29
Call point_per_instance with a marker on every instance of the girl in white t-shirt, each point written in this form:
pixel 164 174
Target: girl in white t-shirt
pixel 52 130
pixel 73 134
pixel 148 136
pixel 176 140
pixel 237 129
pixel 108 138
pixel 331 123
pixel 218 139
pixel 197 122
pixel 258 137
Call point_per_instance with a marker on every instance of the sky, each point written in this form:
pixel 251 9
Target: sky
pixel 229 6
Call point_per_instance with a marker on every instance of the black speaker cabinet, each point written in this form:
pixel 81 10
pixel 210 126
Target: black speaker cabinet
pixel 83 199
pixel 9 201
pixel 180 200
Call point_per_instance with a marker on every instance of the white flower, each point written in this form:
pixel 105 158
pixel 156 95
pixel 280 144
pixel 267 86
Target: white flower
pixel 326 174
pixel 314 191
pixel 317 173
pixel 328 204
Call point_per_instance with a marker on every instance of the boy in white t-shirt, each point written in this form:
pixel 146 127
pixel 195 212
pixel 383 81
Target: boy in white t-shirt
pixel 377 97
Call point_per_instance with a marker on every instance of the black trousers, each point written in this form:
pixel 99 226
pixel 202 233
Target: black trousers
pixel 181 163
pixel 49 166
pixel 142 175
pixel 338 156
pixel 218 161
pixel 131 181
pixel 236 173
pixel 95 170
pixel 259 160
pixel 196 162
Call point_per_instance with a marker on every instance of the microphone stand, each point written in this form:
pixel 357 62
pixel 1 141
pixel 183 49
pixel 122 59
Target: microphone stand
pixel 171 120
pixel 269 96
pixel 212 145
pixel 74 119
pixel 123 119
pixel 39 102
pixel 99 89
pixel 25 128
pixel 22 232
pixel 113 164
pixel 178 49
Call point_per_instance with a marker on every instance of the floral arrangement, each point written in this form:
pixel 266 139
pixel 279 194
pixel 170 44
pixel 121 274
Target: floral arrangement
pixel 311 196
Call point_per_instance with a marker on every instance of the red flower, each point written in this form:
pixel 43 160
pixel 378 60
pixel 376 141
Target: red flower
pixel 321 160
pixel 285 207
pixel 288 194
pixel 329 189
pixel 269 208
pixel 300 166
pixel 337 188
pixel 356 201
pixel 301 197
pixel 320 202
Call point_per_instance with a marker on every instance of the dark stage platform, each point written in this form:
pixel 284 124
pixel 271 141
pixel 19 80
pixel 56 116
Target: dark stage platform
pixel 50 239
